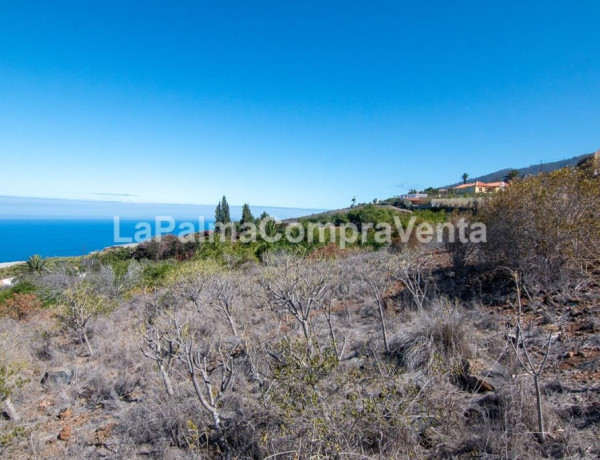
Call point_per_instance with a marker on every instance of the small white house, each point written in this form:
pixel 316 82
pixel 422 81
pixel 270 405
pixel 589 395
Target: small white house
pixel 413 196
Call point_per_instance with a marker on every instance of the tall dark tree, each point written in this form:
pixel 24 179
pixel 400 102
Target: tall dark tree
pixel 219 214
pixel 247 216
pixel 222 212
pixel 225 210
pixel 465 176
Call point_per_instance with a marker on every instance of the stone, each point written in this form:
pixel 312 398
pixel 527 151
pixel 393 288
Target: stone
pixel 479 376
pixel 65 414
pixel 57 376
pixel 65 433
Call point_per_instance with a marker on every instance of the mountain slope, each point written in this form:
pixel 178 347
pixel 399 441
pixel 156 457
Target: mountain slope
pixel 533 169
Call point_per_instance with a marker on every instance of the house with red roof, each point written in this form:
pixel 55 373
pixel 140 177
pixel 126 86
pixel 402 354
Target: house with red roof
pixel 479 187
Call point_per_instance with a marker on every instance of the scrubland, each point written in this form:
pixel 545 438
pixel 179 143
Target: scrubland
pixel 461 351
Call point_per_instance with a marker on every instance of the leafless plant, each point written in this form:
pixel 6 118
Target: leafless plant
pixel 9 375
pixel 156 343
pixel 207 360
pixel 526 362
pixel 81 305
pixel 190 287
pixel 375 271
pixel 298 287
pixel 222 294
pixel 411 269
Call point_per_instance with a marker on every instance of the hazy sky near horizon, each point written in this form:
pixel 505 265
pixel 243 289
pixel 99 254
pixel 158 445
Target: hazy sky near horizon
pixel 288 103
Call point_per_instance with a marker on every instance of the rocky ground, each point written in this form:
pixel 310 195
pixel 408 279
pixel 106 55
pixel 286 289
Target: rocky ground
pixel 77 406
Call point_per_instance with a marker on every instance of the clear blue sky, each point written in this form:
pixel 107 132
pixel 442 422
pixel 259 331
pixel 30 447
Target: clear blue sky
pixel 288 103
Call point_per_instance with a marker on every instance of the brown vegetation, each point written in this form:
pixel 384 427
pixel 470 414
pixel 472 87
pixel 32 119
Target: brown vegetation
pixel 413 353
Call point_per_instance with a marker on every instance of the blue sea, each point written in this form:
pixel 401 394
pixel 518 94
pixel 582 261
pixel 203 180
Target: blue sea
pixel 20 238
pixel 54 228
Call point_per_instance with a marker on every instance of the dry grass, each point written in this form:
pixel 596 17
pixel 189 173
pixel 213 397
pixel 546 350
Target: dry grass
pixel 287 393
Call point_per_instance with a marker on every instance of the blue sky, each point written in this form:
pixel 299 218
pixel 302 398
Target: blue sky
pixel 288 103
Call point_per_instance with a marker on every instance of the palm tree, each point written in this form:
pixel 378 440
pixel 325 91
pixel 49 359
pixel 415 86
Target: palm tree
pixel 465 176
pixel 36 263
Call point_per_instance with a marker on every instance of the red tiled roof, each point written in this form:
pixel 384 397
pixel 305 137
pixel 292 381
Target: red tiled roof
pixel 481 184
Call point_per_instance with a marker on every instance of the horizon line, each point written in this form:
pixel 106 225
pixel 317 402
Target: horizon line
pixel 154 202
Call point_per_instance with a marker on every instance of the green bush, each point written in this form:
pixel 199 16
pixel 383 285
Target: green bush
pixel 156 273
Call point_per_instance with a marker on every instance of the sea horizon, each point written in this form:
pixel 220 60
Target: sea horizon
pixel 67 228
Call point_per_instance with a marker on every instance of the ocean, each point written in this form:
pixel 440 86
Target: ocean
pixel 60 228
pixel 20 238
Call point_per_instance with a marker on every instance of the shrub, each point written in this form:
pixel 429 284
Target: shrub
pixel 81 305
pixel 157 273
pixel 437 340
pixel 167 247
pixel 547 227
pixel 20 306
pixel 23 287
pixel 36 264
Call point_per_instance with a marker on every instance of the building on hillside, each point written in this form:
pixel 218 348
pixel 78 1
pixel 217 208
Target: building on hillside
pixel 414 196
pixel 412 202
pixel 479 187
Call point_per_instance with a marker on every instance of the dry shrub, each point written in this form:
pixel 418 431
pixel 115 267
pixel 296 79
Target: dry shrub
pixel 437 340
pixel 20 306
pixel 162 425
pixel 329 251
pixel 547 227
pixel 518 420
pixel 460 252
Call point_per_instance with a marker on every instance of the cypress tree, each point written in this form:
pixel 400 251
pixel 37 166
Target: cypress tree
pixel 218 214
pixel 225 211
pixel 247 216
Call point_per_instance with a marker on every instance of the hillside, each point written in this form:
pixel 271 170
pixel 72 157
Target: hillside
pixel 323 216
pixel 226 349
pixel 498 176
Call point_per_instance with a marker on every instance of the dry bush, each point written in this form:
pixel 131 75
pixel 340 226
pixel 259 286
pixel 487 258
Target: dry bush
pixel 81 304
pixel 20 306
pixel 201 358
pixel 299 287
pixel 330 251
pixel 62 276
pixel 188 282
pixel 461 252
pixel 517 421
pixel 438 339
pixel 14 360
pixel 412 270
pixel 157 426
pixel 375 272
pixel 114 285
pixel 546 227
pixel 366 407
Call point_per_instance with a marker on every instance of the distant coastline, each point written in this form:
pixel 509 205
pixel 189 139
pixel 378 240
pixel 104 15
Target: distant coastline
pixel 65 228
pixel 10 264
